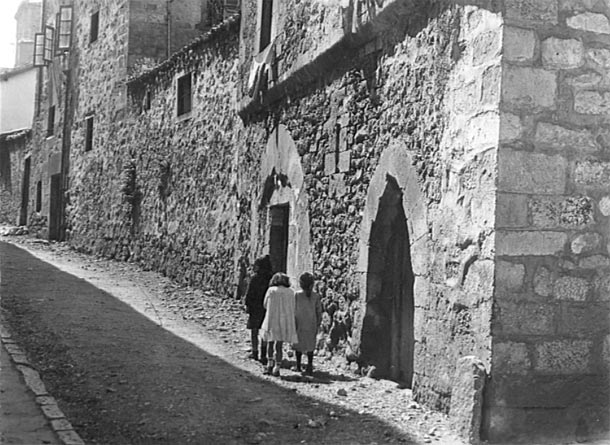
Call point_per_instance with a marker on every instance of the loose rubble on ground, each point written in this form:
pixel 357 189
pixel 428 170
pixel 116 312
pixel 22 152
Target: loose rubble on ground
pixel 334 381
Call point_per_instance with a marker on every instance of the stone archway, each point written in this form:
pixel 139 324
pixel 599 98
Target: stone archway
pixel 387 328
pixel 283 190
pixel 392 268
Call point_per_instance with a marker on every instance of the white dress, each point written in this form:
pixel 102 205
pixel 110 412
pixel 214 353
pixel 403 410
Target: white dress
pixel 279 324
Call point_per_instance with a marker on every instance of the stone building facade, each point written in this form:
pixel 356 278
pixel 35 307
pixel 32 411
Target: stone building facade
pixel 440 166
pixel 28 19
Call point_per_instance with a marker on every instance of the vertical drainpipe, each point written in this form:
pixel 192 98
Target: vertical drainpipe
pixel 39 75
pixel 66 139
pixel 169 28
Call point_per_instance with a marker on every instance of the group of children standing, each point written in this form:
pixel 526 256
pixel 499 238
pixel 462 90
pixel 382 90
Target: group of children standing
pixel 277 314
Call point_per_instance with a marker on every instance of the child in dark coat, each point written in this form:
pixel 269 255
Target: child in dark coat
pixel 257 288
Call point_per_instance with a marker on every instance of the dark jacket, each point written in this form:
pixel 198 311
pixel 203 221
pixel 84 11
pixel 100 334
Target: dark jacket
pixel 257 288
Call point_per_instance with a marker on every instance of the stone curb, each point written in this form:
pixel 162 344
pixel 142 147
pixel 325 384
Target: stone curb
pixel 48 405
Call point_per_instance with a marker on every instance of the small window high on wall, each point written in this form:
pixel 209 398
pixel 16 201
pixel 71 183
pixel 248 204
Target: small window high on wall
pixel 184 95
pixel 95 26
pixel 39 196
pixel 266 21
pixel 64 28
pixel 51 121
pixel 88 133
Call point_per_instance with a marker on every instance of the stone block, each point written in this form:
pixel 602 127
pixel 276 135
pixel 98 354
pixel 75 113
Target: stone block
pixel 52 411
pixel 604 206
pixel 467 398
pixel 587 80
pixel 543 281
pixel 584 320
pixel 525 318
pixel 556 136
pixel 606 351
pixel 70 438
pixel 510 358
pixel 590 22
pixel 602 288
pixel 511 210
pixel 344 161
pixel 592 173
pixel 571 288
pixel 592 102
pixel 529 88
pixel 594 262
pixel 61 425
pixel 509 276
pixel 524 243
pixel 482 132
pixel 529 391
pixel 524 172
pixel 532 11
pixel 519 44
pixel 32 379
pixel 510 127
pixel 562 53
pixel 563 357
pixel 486 47
pixel 569 212
pixel 491 86
pixel 586 242
pixel 598 57
pixel 330 164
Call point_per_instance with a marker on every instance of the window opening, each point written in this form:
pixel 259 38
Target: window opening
pixel 51 121
pixel 38 196
pixel 95 23
pixel 184 94
pixel 89 133
pixel 39 49
pixel 337 146
pixel 64 28
pixel 266 19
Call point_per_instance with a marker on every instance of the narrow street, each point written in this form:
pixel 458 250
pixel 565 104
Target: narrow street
pixel 133 359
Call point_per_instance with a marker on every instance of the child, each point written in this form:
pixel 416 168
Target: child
pixel 257 288
pixel 308 314
pixel 278 325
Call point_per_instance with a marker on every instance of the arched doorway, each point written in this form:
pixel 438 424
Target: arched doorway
pixel 387 330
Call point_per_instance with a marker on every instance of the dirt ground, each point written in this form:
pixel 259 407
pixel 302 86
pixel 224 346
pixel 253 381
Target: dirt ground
pixel 133 358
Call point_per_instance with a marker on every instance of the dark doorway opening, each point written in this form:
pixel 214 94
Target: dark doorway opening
pixel 387 331
pixel 55 207
pixel 25 193
pixel 278 237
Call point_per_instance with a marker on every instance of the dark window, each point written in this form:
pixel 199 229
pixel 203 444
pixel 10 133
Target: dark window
pixel 184 94
pixel 51 121
pixel 38 196
pixel 147 100
pixel 89 133
pixel 266 17
pixel 95 25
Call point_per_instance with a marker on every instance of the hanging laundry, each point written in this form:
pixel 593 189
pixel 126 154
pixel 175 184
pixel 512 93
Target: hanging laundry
pixel 261 70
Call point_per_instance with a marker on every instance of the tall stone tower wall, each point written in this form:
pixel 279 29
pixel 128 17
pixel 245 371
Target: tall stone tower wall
pixel 551 342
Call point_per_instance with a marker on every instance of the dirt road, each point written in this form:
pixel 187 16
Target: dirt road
pixel 127 368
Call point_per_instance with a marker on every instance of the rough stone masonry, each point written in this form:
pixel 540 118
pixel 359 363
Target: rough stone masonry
pixel 444 165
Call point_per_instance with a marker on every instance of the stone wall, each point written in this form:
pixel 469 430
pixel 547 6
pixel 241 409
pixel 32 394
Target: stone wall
pixel 551 350
pixel 45 146
pixel 418 104
pixel 12 158
pixel 168 181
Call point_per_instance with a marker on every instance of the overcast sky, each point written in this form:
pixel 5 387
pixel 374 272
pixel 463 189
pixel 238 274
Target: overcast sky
pixel 8 8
